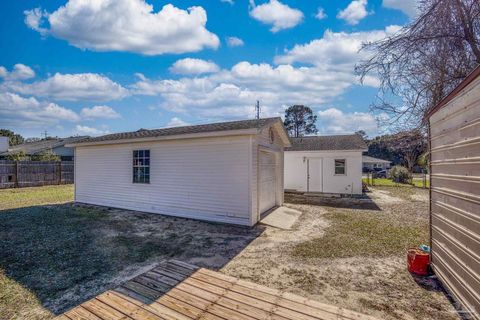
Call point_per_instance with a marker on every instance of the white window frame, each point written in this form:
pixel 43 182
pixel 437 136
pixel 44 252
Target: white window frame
pixel 344 167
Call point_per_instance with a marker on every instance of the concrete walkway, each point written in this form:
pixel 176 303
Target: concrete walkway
pixel 282 218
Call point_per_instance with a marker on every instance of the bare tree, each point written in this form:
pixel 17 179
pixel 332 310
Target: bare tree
pixel 425 60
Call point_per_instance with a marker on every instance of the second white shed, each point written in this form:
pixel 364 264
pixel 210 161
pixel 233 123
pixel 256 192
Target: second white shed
pixel 325 164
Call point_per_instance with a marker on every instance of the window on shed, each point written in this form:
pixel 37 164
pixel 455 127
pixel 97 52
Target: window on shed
pixel 340 166
pixel 141 166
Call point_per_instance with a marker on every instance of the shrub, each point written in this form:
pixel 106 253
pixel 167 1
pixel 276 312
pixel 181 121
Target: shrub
pixel 400 174
pixel 47 155
pixel 17 156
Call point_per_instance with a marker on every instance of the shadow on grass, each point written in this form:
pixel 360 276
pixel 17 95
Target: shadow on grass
pixel 66 254
pixel 362 202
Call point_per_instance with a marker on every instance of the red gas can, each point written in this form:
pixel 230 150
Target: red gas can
pixel 418 261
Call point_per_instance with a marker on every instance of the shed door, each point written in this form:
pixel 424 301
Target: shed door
pixel 314 175
pixel 267 181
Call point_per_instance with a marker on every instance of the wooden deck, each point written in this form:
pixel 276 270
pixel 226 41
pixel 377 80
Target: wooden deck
pixel 176 290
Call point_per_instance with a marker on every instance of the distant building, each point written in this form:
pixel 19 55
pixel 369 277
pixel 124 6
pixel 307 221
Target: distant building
pixel 56 145
pixel 325 164
pixel 371 163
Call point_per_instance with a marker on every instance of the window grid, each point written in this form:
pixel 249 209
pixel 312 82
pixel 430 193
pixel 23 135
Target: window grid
pixel 340 166
pixel 141 166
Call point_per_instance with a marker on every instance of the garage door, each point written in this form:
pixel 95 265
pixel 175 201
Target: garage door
pixel 267 181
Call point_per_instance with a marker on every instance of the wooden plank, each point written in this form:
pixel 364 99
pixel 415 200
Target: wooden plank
pixel 184 264
pixel 159 277
pixel 133 294
pixel 248 310
pixel 62 317
pixel 170 274
pixel 207 305
pixel 102 310
pixel 186 309
pixel 80 313
pixel 158 286
pixel 264 306
pixel 133 310
pixel 143 290
pixel 287 300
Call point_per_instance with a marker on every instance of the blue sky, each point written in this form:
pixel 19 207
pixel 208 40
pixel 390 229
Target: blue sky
pixel 94 67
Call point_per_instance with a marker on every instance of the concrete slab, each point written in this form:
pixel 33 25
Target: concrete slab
pixel 281 217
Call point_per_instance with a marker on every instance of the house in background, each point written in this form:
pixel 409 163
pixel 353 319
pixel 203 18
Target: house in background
pixel 327 164
pixel 371 163
pixel 228 172
pixel 56 145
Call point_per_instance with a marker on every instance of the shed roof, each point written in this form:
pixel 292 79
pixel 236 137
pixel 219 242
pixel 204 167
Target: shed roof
pixel 334 142
pixel 369 159
pixel 186 130
pixel 469 79
pixel 31 148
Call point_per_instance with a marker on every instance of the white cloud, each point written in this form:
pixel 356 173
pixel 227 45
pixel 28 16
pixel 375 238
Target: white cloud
pixel 277 14
pixel 234 42
pixel 99 112
pixel 19 72
pixel 125 25
pixel 231 2
pixel 321 14
pixel 72 87
pixel 193 66
pixel 335 50
pixel 18 111
pixel 232 93
pixel 177 122
pixel 91 131
pixel 354 12
pixel 335 121
pixel 409 7
pixel 314 74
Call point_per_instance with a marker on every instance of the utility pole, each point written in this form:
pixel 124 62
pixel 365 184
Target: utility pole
pixel 257 109
pixel 45 134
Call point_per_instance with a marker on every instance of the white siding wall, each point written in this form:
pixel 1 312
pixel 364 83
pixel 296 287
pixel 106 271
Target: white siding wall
pixel 296 171
pixel 262 141
pixel 198 178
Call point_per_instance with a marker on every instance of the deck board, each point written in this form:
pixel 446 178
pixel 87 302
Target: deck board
pixel 181 291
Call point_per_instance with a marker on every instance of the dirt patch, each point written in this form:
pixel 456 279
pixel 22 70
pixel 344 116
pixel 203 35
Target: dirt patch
pixel 379 286
pixel 64 255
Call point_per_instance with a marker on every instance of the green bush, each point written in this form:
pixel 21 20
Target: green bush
pixel 400 174
pixel 47 155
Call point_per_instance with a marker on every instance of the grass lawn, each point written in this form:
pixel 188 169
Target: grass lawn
pixel 382 182
pixel 54 256
pixel 25 197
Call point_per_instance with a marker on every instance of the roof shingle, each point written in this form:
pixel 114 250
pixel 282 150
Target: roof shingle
pixel 202 128
pixel 335 142
pixel 31 148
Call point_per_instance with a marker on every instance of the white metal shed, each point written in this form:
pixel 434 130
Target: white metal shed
pixel 228 172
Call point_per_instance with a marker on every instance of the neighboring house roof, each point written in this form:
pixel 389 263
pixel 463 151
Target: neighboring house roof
pixel 35 147
pixel 144 134
pixel 330 143
pixel 368 159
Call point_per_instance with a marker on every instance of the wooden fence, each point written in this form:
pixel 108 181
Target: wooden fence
pixel 19 174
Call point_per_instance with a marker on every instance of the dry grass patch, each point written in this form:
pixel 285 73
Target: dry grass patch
pixel 354 233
